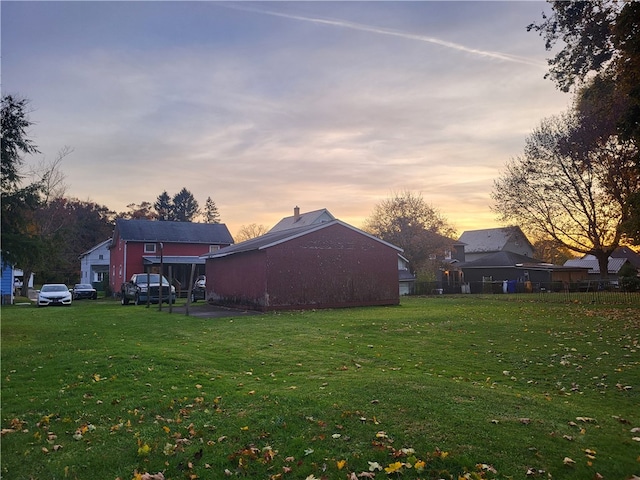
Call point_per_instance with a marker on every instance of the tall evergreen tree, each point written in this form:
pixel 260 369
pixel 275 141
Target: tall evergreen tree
pixel 211 213
pixel 18 202
pixel 164 207
pixel 185 206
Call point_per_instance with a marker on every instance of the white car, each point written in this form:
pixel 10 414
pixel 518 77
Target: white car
pixel 54 294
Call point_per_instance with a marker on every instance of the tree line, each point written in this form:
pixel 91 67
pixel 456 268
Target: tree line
pixel 44 231
pixel 577 182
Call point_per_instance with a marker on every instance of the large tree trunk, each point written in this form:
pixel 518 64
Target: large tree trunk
pixel 26 275
pixel 603 263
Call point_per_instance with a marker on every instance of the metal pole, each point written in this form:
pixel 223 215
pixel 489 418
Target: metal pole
pixel 148 288
pixel 161 278
pixel 170 282
pixel 193 270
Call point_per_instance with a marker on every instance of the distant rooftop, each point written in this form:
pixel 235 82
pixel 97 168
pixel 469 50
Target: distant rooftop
pixel 302 219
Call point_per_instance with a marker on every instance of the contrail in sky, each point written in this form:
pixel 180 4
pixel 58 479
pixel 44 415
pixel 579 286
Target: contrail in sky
pixel 394 33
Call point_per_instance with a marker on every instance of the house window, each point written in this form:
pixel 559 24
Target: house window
pixel 100 257
pixel 213 248
pixel 149 248
pixel 100 276
pixel 447 254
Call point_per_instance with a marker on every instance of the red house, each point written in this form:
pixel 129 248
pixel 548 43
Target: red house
pixel 321 264
pixel 140 246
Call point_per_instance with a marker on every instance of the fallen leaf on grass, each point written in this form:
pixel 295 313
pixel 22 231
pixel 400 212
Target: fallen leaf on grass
pixel 532 472
pixel 394 467
pixel 367 475
pixel 152 476
pixel 568 461
pixel 144 450
pixel 586 419
pixel 486 467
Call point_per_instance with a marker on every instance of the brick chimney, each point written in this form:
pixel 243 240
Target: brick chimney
pixel 296 214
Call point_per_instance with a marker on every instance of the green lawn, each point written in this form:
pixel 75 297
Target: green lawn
pixel 434 388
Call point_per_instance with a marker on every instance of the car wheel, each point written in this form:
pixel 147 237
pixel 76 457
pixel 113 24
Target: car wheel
pixel 137 300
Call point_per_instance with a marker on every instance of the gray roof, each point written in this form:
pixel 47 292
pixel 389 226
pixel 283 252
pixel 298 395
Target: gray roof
pixel 502 260
pixel 104 243
pixel 274 238
pixel 590 262
pixel 491 239
pixel 303 220
pixel 628 253
pixel 506 259
pixel 173 232
pixel 173 260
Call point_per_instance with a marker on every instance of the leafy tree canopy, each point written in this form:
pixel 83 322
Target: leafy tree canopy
pixel 600 58
pixel 247 232
pixel 18 202
pixel 560 190
pixel 408 221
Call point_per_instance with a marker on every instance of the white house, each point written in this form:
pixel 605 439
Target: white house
pixel 94 263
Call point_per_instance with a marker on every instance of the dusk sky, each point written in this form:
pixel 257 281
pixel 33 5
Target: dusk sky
pixel 267 105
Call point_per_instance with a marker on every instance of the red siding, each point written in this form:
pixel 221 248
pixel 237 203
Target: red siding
pixel 239 279
pixel 119 272
pixel 331 267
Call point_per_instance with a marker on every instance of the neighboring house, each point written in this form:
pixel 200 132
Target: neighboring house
pixel 140 246
pixel 94 265
pixel 629 254
pixel 6 283
pixel 590 263
pixel 302 220
pixel 11 281
pixel 480 243
pixel 323 263
pixel 405 277
pixel 510 272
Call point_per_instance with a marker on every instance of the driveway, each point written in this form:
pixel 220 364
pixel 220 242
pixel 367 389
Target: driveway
pixel 204 310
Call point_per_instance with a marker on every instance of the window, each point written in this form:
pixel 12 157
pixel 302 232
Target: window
pixel 100 257
pixel 149 248
pixel 213 248
pixel 447 254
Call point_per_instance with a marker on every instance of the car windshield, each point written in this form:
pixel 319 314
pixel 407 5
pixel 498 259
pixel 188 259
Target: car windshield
pixel 153 278
pixel 54 288
pixel 83 286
